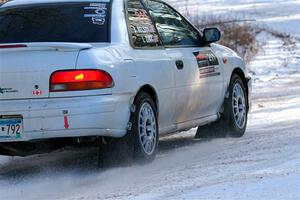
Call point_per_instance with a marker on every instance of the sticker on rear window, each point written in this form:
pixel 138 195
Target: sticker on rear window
pixel 144 28
pixel 141 13
pixel 97 12
pixel 151 38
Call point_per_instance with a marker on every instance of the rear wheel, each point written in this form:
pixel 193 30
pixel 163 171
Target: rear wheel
pixel 144 128
pixel 141 142
pixel 233 120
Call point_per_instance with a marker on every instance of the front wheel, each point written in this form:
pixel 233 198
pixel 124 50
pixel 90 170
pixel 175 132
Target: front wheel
pixel 236 108
pixel 233 120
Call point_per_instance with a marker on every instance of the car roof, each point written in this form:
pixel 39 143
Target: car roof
pixel 26 2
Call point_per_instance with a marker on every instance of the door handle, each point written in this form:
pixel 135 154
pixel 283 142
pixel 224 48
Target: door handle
pixel 179 64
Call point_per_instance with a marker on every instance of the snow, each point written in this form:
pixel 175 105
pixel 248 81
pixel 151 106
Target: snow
pixel 264 164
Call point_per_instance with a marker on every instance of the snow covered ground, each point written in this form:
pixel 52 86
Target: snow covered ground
pixel 265 164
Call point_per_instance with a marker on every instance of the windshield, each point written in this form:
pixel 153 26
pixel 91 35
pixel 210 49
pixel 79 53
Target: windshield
pixel 59 22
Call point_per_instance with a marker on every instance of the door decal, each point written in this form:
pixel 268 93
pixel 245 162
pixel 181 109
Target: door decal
pixel 208 64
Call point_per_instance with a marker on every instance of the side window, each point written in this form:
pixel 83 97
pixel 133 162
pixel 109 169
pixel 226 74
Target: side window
pixel 172 28
pixel 142 31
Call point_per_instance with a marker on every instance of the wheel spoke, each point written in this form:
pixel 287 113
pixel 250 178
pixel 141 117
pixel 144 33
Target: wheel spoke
pixel 236 114
pixel 147 128
pixel 143 134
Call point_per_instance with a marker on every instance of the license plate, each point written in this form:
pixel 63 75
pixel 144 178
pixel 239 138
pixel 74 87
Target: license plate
pixel 11 127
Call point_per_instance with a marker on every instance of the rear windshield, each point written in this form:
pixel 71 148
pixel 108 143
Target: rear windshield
pixel 59 22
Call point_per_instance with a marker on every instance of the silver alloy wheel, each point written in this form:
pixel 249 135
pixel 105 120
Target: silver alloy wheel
pixel 147 128
pixel 239 106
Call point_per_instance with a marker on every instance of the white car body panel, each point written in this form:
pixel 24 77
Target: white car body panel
pixel 106 112
pixel 35 68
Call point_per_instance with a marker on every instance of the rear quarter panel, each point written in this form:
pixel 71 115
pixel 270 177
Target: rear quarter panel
pixel 132 69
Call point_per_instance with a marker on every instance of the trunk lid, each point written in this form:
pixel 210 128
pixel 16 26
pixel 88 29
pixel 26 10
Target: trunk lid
pixel 25 69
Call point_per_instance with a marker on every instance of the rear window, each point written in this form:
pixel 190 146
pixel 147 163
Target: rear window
pixel 59 22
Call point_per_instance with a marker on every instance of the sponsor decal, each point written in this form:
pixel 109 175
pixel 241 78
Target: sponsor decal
pixel 98 21
pixel 208 64
pixel 7 90
pixel 99 12
pixel 206 58
pixel 150 38
pixel 147 28
pixel 37 92
pixel 66 120
pixel 209 71
pixel 140 13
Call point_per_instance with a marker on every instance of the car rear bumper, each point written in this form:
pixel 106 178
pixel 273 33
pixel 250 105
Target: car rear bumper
pixel 106 115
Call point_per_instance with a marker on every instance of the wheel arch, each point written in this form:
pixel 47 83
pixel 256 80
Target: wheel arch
pixel 152 92
pixel 238 71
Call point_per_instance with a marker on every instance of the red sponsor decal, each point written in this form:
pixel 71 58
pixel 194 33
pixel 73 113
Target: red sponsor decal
pixel 225 61
pixel 141 13
pixel 201 57
pixel 37 92
pixel 66 122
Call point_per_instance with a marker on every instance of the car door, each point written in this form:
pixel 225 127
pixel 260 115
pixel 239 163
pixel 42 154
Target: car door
pixel 197 72
pixel 152 65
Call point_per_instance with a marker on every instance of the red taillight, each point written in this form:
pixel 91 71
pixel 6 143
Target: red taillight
pixel 75 80
pixel 12 46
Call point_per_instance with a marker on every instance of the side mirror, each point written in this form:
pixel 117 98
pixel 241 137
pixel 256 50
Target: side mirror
pixel 211 35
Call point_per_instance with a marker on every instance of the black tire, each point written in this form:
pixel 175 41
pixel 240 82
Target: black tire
pixel 227 125
pixel 212 130
pixel 128 149
pixel 115 152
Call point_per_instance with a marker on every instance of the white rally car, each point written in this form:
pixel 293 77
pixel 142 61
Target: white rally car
pixel 125 69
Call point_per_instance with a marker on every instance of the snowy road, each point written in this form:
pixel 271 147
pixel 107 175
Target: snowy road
pixel 265 164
